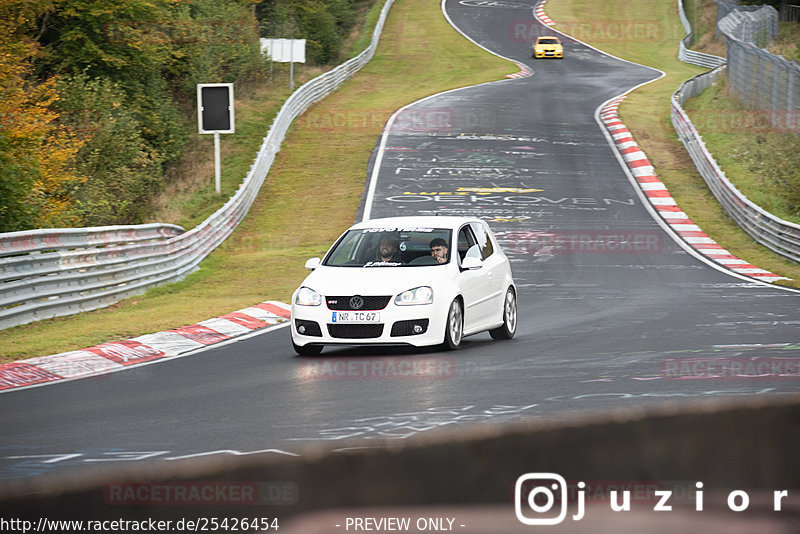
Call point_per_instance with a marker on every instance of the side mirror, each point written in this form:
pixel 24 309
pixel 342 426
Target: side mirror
pixel 471 263
pixel 312 264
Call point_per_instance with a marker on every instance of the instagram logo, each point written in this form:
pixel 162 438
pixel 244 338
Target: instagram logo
pixel 541 491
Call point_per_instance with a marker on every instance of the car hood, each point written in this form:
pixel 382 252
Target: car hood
pixel 372 280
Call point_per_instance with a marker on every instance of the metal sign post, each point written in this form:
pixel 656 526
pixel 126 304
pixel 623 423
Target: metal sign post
pixel 217 165
pixel 215 115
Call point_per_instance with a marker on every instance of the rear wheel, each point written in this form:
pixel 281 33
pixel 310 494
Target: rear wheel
pixel 509 326
pixel 454 328
pixel 307 350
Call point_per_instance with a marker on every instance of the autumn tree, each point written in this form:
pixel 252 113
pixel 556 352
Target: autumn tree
pixel 97 97
pixel 36 153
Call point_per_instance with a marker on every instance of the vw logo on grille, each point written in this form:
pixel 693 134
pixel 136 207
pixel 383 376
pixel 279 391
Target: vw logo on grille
pixel 356 303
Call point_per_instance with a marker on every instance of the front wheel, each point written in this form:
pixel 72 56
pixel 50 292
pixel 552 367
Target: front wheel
pixel 454 328
pixel 509 326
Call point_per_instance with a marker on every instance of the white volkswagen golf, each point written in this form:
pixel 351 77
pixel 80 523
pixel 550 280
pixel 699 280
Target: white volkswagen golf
pixel 406 280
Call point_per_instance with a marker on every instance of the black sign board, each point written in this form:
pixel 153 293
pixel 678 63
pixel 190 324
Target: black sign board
pixel 215 107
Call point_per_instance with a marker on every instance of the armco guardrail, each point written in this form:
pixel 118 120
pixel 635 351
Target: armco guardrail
pixel 55 272
pixel 782 237
pixel 14 243
pixel 690 56
pixel 47 272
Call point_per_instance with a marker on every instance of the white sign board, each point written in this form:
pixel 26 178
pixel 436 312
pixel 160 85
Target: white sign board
pixel 284 50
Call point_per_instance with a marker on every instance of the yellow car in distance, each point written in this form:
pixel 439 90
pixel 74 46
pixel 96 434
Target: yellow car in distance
pixel 548 46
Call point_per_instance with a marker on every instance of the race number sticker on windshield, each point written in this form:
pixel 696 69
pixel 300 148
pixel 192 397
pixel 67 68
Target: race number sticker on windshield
pixel 356 317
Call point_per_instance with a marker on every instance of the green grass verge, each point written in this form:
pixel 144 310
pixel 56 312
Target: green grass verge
pixel 787 44
pixel 311 194
pixel 364 37
pixel 646 113
pixel 763 163
pixel 702 15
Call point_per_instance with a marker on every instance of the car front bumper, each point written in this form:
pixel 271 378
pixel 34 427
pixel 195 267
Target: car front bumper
pixel 419 325
pixel 548 53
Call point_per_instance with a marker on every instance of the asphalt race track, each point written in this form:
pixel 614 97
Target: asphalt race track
pixel 611 307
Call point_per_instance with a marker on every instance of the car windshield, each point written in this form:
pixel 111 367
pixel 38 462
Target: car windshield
pixel 548 41
pixel 391 247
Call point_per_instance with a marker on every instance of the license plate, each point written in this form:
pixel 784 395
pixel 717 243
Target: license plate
pixel 355 317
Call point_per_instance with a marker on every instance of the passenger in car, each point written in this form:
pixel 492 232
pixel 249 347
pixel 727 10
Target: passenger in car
pixel 439 250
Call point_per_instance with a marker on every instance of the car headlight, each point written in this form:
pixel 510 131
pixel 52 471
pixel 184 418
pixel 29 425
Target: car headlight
pixel 418 295
pixel 307 297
